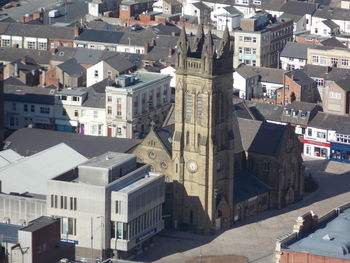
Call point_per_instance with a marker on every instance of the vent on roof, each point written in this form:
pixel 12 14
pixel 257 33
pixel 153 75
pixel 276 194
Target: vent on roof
pixel 61 53
pixel 328 237
pixel 52 91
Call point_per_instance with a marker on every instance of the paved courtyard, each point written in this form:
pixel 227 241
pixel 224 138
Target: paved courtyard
pixel 255 238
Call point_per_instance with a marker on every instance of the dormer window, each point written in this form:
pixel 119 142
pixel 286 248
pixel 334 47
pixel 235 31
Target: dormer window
pixel 303 114
pixel 75 98
pixel 295 113
pixel 288 112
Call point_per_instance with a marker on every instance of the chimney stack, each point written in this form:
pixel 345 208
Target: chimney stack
pixel 146 48
pixel 16 72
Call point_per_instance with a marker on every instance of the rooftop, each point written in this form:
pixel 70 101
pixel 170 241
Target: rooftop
pixel 332 240
pixel 139 183
pixel 72 91
pixel 39 223
pixel 108 160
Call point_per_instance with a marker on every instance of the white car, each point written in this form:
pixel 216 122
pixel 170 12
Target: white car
pixel 54 13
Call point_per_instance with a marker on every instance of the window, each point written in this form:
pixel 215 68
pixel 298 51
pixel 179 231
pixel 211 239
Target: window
pixel 109 110
pixel 240 38
pixel 117 207
pixel 42 46
pixel 68 226
pixel 136 105
pixel 199 106
pixel 143 102
pixel 334 61
pixel 188 105
pixel 319 82
pixel 266 166
pixel 150 99
pixel 31 45
pixel 73 203
pixel 323 60
pixel 75 98
pixel 32 108
pixel 198 139
pixel 321 135
pixel 247 50
pixel 63 97
pixel 119 106
pixel 95 114
pixel 14 106
pixel 309 132
pixel 334 95
pixel 253 50
pixel 45 110
pixel 344 62
pixel 240 50
pixel 247 39
pixel 76 113
pixel 165 95
pixel 254 63
pixel 254 39
pixel 315 59
pixel 109 74
pixel 158 96
pixel 187 138
pixel 109 98
pixel 316 30
pixel 96 73
pixel 5 42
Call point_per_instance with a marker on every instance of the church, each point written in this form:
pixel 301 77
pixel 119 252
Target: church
pixel 219 167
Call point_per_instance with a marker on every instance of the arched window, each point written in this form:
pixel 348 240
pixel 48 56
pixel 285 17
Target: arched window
pixel 187 138
pixel 198 139
pixel 199 106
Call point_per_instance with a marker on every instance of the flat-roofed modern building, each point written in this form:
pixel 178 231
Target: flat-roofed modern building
pixel 109 205
pixel 317 239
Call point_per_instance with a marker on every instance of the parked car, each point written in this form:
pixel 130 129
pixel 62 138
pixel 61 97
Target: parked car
pixel 54 13
pixel 136 27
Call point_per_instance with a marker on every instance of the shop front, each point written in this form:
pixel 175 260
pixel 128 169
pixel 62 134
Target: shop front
pixel 316 149
pixel 340 152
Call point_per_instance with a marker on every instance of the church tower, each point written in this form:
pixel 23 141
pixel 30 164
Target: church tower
pixel 203 151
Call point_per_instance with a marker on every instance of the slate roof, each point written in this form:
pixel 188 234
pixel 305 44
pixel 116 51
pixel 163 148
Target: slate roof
pixel 261 137
pixel 92 35
pixel 336 74
pixel 96 97
pixel 330 23
pixel 165 134
pixel 295 50
pixel 167 29
pixel 119 63
pixel 332 13
pixel 339 123
pixel 247 186
pixel 40 31
pixel 315 71
pixel 29 94
pixel 266 111
pixel 344 84
pixel 39 223
pixel 333 42
pixel 72 68
pixel 241 109
pixel 201 5
pixel 269 75
pixel 299 8
pixel 28 141
pixel 300 77
pixel 41 57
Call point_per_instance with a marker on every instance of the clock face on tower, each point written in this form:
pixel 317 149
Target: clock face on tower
pixel 192 166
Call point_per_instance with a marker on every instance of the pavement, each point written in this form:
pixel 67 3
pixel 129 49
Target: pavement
pixel 255 237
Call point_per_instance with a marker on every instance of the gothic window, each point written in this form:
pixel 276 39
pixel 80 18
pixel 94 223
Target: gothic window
pixel 187 138
pixel 198 139
pixel 189 105
pixel 199 106
pixel 219 107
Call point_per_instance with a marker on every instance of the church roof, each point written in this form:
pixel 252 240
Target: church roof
pixel 165 134
pixel 261 137
pixel 247 186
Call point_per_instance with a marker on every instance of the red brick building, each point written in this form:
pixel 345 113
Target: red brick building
pixel 317 240
pixel 297 86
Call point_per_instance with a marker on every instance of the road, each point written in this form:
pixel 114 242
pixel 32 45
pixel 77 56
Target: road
pixel 254 238
pixel 75 10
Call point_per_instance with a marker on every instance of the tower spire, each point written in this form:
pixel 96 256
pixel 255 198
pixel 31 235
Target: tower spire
pixel 208 50
pixel 225 44
pixel 182 50
pixel 182 43
pixel 198 40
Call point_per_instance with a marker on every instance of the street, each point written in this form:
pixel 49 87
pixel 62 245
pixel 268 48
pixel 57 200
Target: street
pixel 255 237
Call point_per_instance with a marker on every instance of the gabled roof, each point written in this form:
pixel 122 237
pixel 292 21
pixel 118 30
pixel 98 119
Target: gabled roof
pixel 247 185
pixel 96 97
pixel 295 50
pixel 119 63
pixel 339 123
pixel 72 68
pixel 41 57
pixel 344 84
pixel 332 13
pixel 261 137
pixel 329 23
pixel 42 31
pixel 167 29
pixel 28 141
pixel 269 75
pixel 31 174
pixel 29 94
pixel 299 8
pixel 92 35
pixel 300 77
pixel 333 42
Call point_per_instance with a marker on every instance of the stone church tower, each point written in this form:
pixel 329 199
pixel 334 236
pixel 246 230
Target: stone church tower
pixel 202 149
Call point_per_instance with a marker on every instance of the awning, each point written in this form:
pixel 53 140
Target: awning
pixel 66 122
